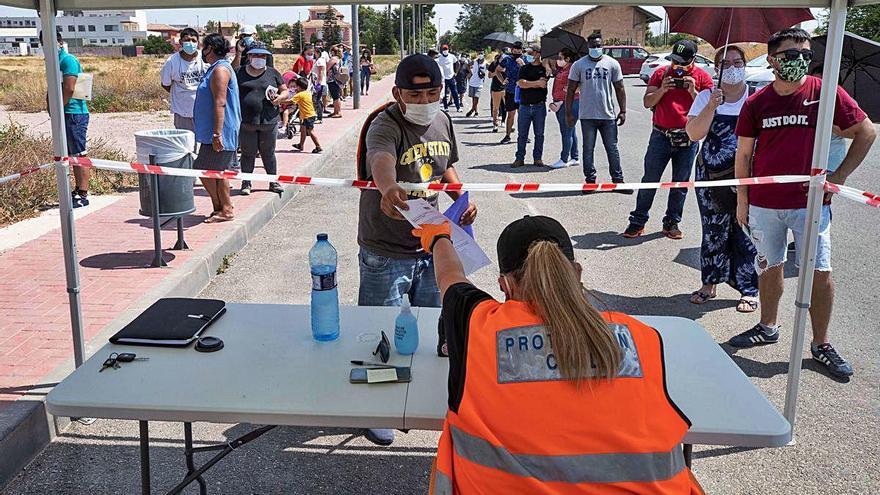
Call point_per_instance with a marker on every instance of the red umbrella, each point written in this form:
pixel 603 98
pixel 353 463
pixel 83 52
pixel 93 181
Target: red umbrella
pixel 720 26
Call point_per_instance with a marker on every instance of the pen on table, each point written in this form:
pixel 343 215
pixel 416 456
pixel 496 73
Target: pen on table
pixel 368 363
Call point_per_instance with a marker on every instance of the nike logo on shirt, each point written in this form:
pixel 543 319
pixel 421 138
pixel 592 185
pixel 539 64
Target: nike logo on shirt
pixel 808 102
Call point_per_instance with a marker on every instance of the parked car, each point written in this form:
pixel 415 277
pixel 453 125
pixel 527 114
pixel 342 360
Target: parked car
pixel 759 73
pixel 630 57
pixel 662 59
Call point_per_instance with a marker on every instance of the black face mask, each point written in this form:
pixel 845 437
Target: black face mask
pixel 516 55
pixel 204 56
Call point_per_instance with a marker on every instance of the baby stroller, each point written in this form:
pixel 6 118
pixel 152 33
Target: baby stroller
pixel 293 122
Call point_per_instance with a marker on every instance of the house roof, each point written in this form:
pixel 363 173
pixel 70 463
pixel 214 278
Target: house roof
pixel 649 16
pixel 162 27
pixel 319 24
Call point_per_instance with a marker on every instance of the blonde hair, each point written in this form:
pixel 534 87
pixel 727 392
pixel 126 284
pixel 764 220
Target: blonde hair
pixel 583 344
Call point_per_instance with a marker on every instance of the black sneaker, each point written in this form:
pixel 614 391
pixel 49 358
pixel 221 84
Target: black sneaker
pixel 753 337
pixel 633 231
pixel 79 198
pixel 622 191
pixel 505 139
pixel 590 191
pixel 245 188
pixel 276 187
pixel 836 365
pixel 671 230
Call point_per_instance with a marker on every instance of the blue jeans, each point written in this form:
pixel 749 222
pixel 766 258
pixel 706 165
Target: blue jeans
pixel 530 115
pixel 608 130
pixel 769 232
pixel 451 87
pixel 385 280
pixel 569 134
pixel 660 151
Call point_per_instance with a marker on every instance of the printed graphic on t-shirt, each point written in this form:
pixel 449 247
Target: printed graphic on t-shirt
pixel 786 121
pixel 597 73
pixel 192 76
pixel 422 158
pixel 526 355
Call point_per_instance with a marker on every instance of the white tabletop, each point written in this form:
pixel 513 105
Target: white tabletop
pixel 722 404
pixel 271 371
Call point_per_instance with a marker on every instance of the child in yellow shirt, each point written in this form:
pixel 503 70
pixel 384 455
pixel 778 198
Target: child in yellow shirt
pixel 307 115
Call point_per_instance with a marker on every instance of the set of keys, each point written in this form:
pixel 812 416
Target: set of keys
pixel 116 358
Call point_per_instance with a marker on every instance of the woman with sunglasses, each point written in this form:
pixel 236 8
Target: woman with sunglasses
pixel 727 255
pixel 547 374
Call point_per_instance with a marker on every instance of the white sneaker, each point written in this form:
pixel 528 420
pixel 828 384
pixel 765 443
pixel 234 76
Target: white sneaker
pixel 574 163
pixel 558 164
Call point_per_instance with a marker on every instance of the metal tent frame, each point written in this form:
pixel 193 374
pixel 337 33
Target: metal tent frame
pixel 48 9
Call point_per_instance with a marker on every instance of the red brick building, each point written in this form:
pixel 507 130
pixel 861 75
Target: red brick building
pixel 619 24
pixel 315 25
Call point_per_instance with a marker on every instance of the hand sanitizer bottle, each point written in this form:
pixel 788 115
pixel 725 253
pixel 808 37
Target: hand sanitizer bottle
pixel 406 329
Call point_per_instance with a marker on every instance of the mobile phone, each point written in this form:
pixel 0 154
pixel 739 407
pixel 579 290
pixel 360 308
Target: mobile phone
pixel 359 375
pixel 678 82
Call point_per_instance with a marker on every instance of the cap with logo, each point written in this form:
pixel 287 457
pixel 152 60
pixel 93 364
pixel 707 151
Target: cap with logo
pixel 516 239
pixel 418 65
pixel 258 48
pixel 683 52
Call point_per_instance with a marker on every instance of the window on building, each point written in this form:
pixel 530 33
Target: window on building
pixel 81 29
pixel 94 42
pixel 111 27
pixel 104 41
pixel 71 29
pixel 92 29
pixel 35 45
pixel 19 40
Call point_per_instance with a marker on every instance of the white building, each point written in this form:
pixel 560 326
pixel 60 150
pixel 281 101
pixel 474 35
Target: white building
pixel 19 22
pixel 19 41
pixel 103 27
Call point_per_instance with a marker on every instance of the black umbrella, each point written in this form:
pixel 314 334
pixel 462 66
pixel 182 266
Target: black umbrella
pixel 500 40
pixel 859 70
pixel 559 39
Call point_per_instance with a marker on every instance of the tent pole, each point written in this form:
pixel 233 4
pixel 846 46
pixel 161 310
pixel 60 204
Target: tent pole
pixel 59 149
pixel 355 57
pixel 402 45
pixel 827 99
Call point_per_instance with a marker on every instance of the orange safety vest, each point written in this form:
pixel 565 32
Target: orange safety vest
pixel 522 429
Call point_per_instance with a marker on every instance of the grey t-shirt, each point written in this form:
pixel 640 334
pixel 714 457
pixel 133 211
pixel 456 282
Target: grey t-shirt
pixel 596 79
pixel 423 155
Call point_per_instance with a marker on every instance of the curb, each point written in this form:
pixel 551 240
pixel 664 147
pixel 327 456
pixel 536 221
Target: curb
pixel 25 425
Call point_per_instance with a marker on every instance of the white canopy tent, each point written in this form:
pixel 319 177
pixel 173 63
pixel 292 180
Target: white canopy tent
pixel 48 9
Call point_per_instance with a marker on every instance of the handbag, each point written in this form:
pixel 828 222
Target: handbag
pixel 373 70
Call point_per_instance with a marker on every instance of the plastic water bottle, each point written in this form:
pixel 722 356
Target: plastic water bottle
pixel 406 329
pixel 325 296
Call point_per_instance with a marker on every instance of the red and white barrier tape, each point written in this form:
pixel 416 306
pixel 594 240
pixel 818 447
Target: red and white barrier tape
pixel 27 171
pixel 864 197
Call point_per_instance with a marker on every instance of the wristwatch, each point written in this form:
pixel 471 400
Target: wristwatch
pixel 437 238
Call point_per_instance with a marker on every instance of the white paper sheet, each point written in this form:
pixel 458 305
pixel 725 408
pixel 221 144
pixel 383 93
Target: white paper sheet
pixel 469 252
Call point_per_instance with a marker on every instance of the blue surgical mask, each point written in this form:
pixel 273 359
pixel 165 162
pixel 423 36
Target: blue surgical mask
pixel 248 40
pixel 595 52
pixel 190 47
pixel 529 58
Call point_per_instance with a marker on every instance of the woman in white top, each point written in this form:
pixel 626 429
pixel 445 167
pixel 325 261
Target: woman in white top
pixel 726 252
pixel 475 84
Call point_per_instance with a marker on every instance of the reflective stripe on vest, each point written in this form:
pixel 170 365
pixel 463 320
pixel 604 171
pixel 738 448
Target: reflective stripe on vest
pixel 583 468
pixel 442 485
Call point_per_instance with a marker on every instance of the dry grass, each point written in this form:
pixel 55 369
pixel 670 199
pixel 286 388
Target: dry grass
pixel 25 197
pixel 120 84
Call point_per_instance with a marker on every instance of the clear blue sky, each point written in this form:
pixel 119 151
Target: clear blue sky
pixel 546 16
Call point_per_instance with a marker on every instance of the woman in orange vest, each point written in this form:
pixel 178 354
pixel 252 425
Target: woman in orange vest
pixel 546 394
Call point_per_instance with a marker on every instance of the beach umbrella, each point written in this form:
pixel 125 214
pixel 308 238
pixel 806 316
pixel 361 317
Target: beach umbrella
pixel 559 39
pixel 859 70
pixel 500 40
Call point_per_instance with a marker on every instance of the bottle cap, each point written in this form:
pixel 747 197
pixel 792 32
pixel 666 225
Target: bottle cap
pixel 322 237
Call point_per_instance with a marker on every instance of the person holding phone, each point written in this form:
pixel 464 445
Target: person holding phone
pixel 543 372
pixel 671 92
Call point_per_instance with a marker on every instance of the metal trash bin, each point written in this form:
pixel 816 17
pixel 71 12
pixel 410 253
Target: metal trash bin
pixel 170 148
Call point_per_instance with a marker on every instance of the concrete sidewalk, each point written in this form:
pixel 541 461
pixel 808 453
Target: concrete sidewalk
pixel 117 282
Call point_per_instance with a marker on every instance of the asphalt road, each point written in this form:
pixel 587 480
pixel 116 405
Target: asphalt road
pixel 838 428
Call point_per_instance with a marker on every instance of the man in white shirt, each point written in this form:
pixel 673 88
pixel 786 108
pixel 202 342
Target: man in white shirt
pixel 181 75
pixel 448 67
pixel 319 71
pixel 475 85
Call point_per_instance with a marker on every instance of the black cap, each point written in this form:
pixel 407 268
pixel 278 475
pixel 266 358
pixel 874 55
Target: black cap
pixel 414 66
pixel 518 44
pixel 518 237
pixel 683 52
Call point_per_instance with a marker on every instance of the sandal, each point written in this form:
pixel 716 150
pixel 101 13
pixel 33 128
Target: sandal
pixel 747 305
pixel 218 218
pixel 700 297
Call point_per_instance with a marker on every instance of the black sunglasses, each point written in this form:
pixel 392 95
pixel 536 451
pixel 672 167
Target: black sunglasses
pixel 794 54
pixel 383 350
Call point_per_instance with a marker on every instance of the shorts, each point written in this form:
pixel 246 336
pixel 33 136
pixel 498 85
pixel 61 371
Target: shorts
pixel 510 103
pixel 335 90
pixel 769 233
pixel 184 123
pixel 309 123
pixel 75 126
pixel 474 92
pixel 208 159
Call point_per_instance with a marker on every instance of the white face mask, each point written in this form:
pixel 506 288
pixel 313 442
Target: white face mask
pixel 733 75
pixel 422 113
pixel 445 52
pixel 258 63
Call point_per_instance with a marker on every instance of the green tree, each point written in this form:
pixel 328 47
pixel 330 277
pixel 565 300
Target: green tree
pixel 263 35
pixel 212 27
pixel 475 21
pixel 295 39
pixel 426 36
pixel 527 22
pixel 332 33
pixel 281 31
pixel 155 45
pixel 863 21
pixel 447 38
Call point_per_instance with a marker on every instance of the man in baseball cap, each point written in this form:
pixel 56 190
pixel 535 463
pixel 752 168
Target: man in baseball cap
pixel 409 140
pixel 246 38
pixel 683 52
